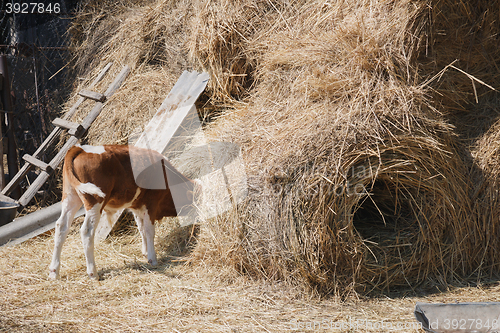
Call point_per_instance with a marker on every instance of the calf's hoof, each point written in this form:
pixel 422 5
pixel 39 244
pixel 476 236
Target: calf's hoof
pixel 94 276
pixel 53 275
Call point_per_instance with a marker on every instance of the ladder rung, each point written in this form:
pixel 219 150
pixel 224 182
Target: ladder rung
pixel 92 95
pixel 36 162
pixel 74 129
pixel 65 124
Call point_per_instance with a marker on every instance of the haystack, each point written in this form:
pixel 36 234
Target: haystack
pixel 146 35
pixel 465 35
pixel 354 177
pixel 486 154
pixel 357 168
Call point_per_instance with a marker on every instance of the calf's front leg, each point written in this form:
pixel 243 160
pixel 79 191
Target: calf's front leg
pixel 147 230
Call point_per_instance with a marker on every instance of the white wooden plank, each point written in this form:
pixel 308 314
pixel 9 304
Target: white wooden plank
pixel 173 111
pixel 170 116
pixel 159 139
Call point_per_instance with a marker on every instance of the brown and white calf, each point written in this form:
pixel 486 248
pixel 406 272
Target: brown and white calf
pixel 109 179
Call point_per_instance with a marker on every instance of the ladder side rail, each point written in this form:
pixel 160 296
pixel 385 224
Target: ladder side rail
pixel 27 167
pixel 44 175
pixel 54 163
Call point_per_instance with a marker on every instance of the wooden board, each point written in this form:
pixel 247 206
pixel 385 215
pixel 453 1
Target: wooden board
pixel 98 97
pixel 36 162
pixel 174 110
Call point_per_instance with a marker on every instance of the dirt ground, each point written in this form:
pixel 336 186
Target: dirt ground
pixel 132 296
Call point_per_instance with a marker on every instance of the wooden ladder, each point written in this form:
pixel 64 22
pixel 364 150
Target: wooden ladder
pixel 75 130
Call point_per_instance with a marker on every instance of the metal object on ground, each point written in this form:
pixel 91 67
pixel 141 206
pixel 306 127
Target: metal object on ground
pixel 459 317
pixel 31 225
pixel 8 211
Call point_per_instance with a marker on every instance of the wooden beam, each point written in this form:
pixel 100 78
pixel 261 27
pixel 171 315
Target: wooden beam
pixel 98 97
pixel 12 161
pixel 118 81
pixel 36 162
pixel 34 187
pixel 89 119
pixel 3 106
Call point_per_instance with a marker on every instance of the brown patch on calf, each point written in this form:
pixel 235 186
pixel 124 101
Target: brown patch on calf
pixel 112 173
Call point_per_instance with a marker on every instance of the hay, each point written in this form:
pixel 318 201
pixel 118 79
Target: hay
pixel 221 41
pixel 464 34
pixel 356 142
pixel 133 296
pixel 343 95
pixel 354 179
pixel 147 36
pixel 486 155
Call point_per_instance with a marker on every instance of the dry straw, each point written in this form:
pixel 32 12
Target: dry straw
pixel 463 34
pixel 354 177
pixel 359 170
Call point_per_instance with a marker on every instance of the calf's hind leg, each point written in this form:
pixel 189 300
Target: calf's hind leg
pixel 70 206
pixel 87 232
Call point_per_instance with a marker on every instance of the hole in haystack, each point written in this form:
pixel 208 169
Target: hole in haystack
pixel 385 217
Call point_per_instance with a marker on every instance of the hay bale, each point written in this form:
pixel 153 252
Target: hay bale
pixel 221 38
pixel 486 175
pixel 465 34
pixel 354 179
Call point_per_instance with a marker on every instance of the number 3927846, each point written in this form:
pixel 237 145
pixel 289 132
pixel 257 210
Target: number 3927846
pixel 33 8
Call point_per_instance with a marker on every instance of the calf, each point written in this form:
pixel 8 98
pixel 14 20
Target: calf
pixel 109 179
